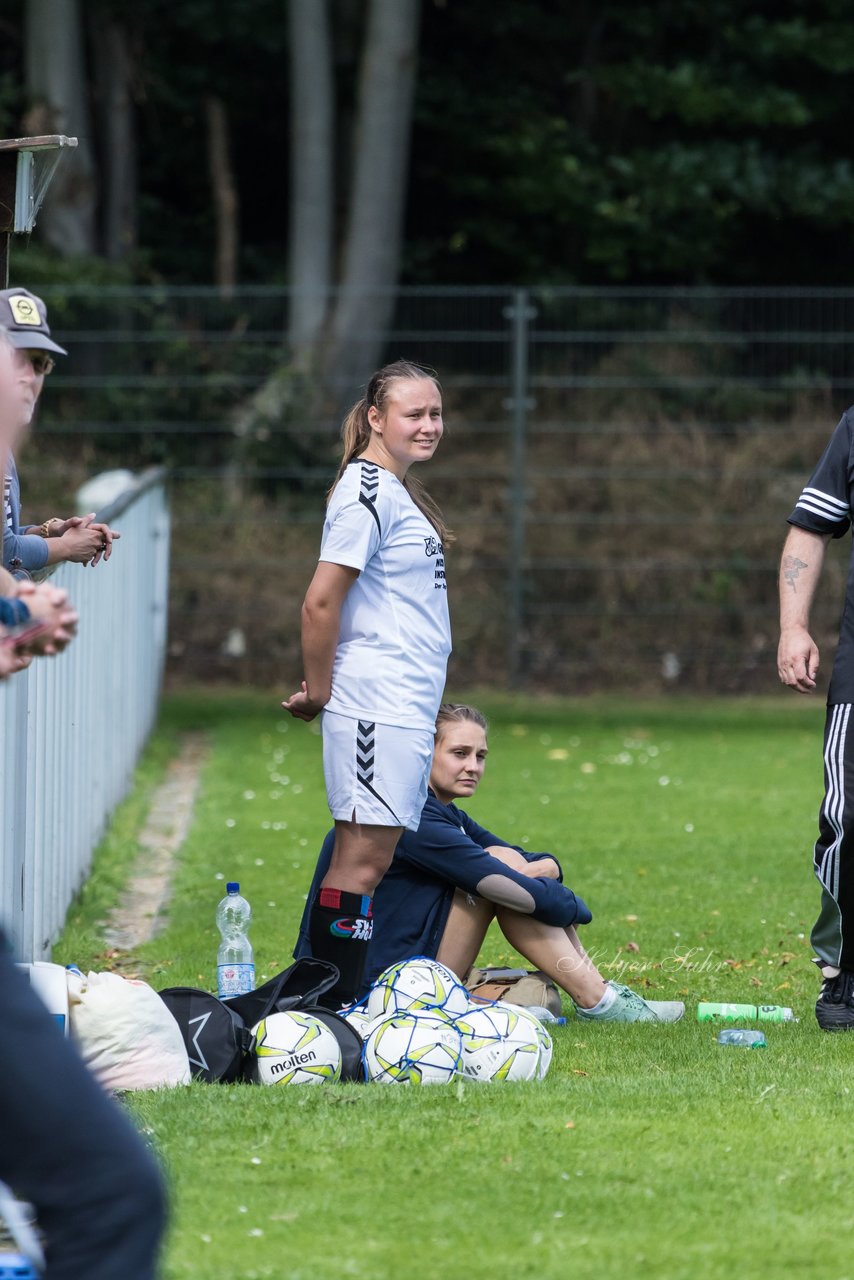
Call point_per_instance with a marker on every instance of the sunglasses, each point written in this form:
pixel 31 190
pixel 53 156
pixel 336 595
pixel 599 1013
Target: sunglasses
pixel 42 364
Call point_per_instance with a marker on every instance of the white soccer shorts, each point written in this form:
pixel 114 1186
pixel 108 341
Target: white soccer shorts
pixel 375 773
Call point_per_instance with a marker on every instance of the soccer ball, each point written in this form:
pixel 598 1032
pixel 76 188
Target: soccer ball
pixel 499 1042
pixel 413 1048
pixel 481 1032
pixel 412 985
pixel 295 1048
pixel 359 1018
pixel 544 1039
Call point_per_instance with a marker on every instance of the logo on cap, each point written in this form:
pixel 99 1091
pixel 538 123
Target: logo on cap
pixel 24 310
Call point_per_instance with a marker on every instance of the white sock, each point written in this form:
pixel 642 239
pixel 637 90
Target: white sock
pixel 605 1003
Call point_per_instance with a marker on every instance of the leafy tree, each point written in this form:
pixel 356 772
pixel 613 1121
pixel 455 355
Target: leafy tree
pixel 681 141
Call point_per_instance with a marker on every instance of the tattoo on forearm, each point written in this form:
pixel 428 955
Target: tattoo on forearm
pixel 791 568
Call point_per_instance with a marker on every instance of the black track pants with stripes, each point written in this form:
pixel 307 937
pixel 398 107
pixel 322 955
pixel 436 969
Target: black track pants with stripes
pixel 833 933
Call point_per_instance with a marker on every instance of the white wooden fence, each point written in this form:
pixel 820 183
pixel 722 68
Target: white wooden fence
pixel 73 726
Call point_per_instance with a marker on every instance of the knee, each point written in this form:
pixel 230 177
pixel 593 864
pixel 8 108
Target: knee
pixel 510 857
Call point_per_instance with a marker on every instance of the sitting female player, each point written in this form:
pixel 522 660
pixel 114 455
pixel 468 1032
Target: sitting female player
pixel 449 879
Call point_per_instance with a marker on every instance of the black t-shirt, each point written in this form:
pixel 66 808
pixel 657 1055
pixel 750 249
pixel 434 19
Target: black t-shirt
pixel 825 507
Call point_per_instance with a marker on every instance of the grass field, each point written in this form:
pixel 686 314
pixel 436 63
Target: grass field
pixel 648 1151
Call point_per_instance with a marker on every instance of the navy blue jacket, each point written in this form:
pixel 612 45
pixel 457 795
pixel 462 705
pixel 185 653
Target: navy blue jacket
pixel 413 899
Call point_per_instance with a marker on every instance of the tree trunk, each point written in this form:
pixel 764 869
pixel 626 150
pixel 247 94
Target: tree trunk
pixel 312 195
pixel 377 204
pixel 56 86
pixel 118 134
pixel 224 196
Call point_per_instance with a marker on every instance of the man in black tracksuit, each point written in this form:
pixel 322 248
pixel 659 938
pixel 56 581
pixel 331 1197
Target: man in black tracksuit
pixel 824 511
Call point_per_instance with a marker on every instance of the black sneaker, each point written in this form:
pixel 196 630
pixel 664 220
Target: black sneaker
pixel 834 1009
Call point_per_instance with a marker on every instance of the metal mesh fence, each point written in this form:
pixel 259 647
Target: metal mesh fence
pixel 618 467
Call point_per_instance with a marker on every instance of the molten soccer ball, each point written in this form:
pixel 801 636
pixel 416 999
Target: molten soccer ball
pixel 359 1018
pixel 295 1048
pixel 500 1042
pixel 545 1041
pixel 412 1048
pixel 413 985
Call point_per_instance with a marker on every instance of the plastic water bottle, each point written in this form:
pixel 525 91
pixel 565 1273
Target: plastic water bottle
pixel 744 1013
pixel 743 1038
pixel 235 963
pixel 544 1015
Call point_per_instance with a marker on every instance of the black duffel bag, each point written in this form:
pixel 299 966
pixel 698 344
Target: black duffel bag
pixel 218 1033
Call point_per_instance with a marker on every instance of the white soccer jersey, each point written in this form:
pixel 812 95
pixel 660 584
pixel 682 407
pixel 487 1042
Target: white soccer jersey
pixel 395 632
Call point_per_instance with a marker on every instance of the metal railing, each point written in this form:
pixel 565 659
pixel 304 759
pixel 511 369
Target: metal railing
pixel 73 726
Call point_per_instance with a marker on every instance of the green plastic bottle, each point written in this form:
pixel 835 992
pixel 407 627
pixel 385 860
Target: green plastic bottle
pixel 708 1012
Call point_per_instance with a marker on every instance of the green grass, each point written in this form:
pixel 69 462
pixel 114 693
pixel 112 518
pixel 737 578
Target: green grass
pixel 648 1151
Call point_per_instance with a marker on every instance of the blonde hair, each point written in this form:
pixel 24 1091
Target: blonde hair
pixel 456 713
pixel 356 436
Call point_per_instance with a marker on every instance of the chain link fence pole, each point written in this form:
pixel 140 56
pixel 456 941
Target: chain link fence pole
pixel 519 313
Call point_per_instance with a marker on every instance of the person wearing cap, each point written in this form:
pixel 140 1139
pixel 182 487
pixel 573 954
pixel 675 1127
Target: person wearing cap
pixel 78 538
pixel 34 618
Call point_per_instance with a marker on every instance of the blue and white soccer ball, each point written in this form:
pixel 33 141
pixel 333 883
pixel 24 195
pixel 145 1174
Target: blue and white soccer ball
pixel 418 984
pixel 413 1048
pixel 544 1039
pixel 481 1033
pixel 295 1048
pixel 501 1042
pixel 359 1018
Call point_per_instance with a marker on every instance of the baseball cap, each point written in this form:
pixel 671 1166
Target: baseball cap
pixel 24 317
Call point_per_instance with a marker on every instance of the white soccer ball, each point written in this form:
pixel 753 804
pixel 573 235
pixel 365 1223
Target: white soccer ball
pixel 412 985
pixel 481 1032
pixel 295 1048
pixel 499 1042
pixel 544 1039
pixel 359 1018
pixel 412 1048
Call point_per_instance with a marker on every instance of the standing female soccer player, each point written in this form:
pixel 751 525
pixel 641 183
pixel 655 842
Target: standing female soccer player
pixel 375 643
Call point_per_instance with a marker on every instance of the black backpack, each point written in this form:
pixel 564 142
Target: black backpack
pixel 216 1037
pixel 218 1033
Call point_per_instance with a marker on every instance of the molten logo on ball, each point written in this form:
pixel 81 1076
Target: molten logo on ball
pixel 295 1048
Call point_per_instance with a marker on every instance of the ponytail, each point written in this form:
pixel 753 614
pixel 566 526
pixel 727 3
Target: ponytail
pixel 355 437
pixel 429 508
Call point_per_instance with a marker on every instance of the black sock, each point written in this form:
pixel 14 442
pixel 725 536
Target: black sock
pixel 339 930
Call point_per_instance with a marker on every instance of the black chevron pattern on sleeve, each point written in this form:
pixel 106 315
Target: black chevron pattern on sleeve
pixel 369 489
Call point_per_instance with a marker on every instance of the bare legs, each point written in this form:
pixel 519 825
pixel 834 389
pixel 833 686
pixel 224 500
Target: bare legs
pixel 558 952
pixel 361 856
pixel 469 919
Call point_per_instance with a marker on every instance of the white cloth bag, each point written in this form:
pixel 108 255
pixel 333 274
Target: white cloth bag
pixel 127 1036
